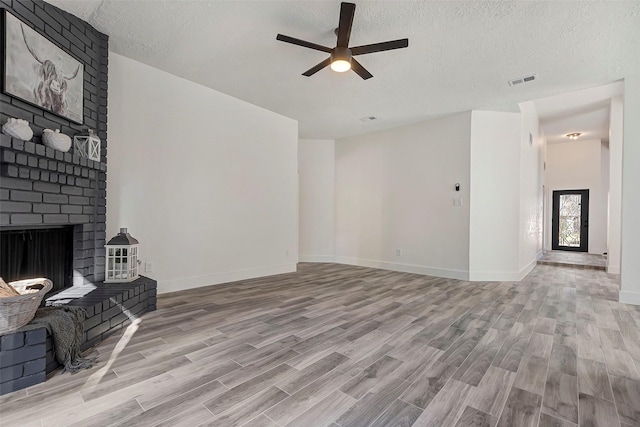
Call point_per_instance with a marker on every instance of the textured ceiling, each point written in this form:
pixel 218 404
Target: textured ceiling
pixel 460 56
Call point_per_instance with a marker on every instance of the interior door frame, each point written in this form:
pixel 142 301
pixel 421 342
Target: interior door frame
pixel 584 217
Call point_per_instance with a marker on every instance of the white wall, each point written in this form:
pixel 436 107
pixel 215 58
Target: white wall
pixel 577 165
pixel 395 190
pixel 206 182
pixel 316 167
pixel 495 198
pixel 630 265
pixel 615 185
pixel 532 179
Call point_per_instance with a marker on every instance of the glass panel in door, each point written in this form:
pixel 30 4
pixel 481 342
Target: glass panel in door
pixel 570 222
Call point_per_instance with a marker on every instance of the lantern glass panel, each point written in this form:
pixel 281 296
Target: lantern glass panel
pixel 111 251
pixel 93 150
pixel 80 146
pixel 124 251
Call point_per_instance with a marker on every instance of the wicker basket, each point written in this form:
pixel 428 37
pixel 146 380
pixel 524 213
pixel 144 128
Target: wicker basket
pixel 19 310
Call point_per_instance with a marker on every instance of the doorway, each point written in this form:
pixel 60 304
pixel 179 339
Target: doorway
pixel 570 221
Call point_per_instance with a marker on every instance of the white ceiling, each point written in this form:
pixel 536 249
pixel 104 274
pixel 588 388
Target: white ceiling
pixel 460 56
pixel 585 111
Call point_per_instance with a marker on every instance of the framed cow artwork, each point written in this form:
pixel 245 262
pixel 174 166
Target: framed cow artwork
pixel 39 72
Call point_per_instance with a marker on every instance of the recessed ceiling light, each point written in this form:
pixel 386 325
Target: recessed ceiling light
pixel 574 135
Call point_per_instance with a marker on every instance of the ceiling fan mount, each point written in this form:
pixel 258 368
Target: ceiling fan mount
pixel 341 58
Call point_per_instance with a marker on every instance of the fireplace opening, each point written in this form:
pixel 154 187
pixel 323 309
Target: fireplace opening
pixel 29 253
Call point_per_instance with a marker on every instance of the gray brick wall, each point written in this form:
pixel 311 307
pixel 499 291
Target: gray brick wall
pixel 41 186
pixel 22 360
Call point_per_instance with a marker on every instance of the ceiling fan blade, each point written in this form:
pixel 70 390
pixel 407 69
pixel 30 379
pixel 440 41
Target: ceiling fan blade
pixel 379 47
pixel 302 43
pixel 311 71
pixel 347 10
pixel 360 70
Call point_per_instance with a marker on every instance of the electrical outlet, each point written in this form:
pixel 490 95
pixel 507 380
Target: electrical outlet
pixel 398 252
pixel 148 267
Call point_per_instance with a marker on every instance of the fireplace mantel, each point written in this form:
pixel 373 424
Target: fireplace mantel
pixel 30 160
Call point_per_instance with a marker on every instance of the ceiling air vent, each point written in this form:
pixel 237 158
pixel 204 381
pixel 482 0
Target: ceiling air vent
pixel 521 80
pixel 368 119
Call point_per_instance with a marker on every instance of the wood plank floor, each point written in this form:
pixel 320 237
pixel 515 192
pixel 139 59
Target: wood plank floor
pixel 343 346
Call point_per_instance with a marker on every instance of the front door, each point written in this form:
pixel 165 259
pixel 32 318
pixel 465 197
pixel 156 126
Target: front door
pixel 570 221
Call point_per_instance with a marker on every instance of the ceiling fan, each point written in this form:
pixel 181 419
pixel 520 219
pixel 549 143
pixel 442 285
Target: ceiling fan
pixel 341 58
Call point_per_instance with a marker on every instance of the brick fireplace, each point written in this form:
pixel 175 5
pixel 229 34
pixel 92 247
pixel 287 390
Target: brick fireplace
pixel 80 202
pixel 43 188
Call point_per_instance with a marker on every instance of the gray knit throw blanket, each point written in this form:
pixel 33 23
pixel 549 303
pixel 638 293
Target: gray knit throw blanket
pixel 66 326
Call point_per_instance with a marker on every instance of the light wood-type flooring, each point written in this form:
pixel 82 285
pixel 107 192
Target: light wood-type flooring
pixel 342 346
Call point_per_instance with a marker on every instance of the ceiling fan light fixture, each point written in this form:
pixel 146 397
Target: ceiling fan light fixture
pixel 340 65
pixel 341 59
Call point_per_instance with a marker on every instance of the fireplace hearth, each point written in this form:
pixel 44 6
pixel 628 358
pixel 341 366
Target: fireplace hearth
pixel 26 357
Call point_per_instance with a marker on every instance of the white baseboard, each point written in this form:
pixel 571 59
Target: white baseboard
pixel 600 251
pixel 316 258
pixel 627 297
pixel 404 268
pixel 527 268
pixel 502 276
pixel 494 276
pixel 173 285
pixel 613 269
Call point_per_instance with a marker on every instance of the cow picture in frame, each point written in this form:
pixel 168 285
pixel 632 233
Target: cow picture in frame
pixel 39 72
